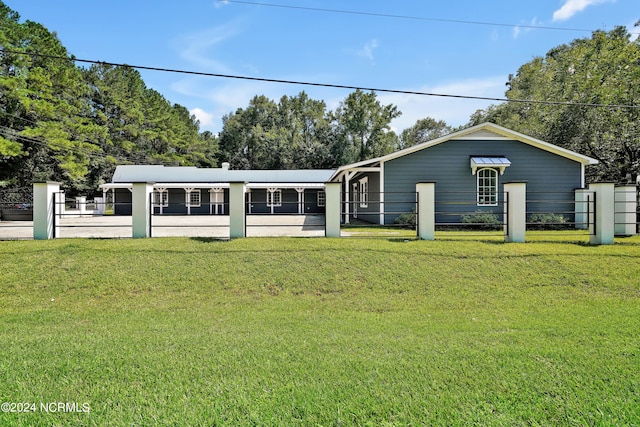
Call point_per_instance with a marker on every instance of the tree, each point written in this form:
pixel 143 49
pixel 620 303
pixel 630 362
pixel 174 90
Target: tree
pixel 602 69
pixel 423 130
pixel 362 128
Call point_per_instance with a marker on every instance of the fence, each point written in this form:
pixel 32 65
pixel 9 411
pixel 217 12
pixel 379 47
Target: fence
pixel 16 213
pixel 600 212
pixel 380 214
pixel 169 220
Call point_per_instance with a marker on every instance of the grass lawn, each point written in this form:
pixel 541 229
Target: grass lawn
pixel 284 331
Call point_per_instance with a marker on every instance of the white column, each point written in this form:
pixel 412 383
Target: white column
pixel 515 211
pixel 187 199
pixel 81 204
pixel 141 209
pixel 625 210
pixel 332 209
pixel 300 200
pixel 604 212
pixel 426 220
pixel 44 209
pixel 236 210
pixel 160 191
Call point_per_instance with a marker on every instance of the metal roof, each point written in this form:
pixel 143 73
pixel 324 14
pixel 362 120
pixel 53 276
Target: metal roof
pixel 490 161
pixel 191 174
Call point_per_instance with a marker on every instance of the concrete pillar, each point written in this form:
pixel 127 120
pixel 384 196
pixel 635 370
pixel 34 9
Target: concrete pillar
pixel 581 209
pixel 44 207
pixel 237 212
pixel 426 220
pixel 332 209
pixel 141 209
pixel 625 210
pixel 515 211
pixel 604 213
pixel 98 205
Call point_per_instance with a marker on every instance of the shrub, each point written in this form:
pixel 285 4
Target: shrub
pixel 547 221
pixel 483 220
pixel 407 219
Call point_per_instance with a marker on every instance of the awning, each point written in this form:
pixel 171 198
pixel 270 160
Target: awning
pixel 500 163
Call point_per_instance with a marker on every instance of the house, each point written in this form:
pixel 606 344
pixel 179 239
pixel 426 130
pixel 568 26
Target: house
pixel 469 168
pixel 187 190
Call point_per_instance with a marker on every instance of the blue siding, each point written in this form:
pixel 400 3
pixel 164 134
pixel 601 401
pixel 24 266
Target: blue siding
pixel 551 179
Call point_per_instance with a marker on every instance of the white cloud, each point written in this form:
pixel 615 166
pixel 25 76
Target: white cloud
pixel 518 30
pixel 367 50
pixel 219 3
pixel 206 119
pixel 454 111
pixel 199 48
pixel 571 7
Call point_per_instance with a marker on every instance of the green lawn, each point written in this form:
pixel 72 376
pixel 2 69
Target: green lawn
pixel 321 332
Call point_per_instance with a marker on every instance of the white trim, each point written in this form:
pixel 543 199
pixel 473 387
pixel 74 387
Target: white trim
pixel 364 192
pixel 492 190
pixel 272 200
pixel 321 199
pixel 189 199
pixel 381 191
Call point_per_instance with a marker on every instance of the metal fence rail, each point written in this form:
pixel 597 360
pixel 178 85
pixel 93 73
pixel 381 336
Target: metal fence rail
pixel 459 214
pixel 380 214
pixel 285 218
pixel 172 220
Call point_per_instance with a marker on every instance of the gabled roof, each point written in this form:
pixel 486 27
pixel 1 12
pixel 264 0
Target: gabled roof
pixel 484 131
pixel 191 174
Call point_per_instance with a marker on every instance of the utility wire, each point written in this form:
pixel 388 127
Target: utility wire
pixel 327 85
pixel 408 17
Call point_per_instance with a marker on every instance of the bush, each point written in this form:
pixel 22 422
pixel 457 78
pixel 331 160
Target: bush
pixel 547 221
pixel 407 219
pixel 482 220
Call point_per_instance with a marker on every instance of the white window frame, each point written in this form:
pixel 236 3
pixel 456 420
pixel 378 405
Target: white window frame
pixel 364 192
pixel 274 198
pixel 194 198
pixel 161 198
pixel 487 193
pixel 321 199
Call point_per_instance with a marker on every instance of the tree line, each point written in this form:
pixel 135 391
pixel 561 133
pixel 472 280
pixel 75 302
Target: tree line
pixel 62 122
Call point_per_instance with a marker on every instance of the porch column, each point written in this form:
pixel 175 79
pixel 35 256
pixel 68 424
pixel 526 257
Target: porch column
pixel 237 210
pixel 426 214
pixel 141 209
pixel 332 209
pixel 515 211
pixel 604 211
pixel 187 199
pixel 44 202
pixel 625 210
pixel 300 200
pixel 159 191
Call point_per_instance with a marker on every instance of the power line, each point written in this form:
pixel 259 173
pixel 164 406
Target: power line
pixel 407 17
pixel 327 85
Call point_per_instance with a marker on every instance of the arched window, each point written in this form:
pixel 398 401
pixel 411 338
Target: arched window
pixel 487 187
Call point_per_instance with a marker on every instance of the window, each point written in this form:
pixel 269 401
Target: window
pixel 364 192
pixel 161 198
pixel 193 198
pixel 322 199
pixel 487 187
pixel 274 198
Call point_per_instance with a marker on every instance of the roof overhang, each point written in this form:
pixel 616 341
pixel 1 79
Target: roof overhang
pixel 500 163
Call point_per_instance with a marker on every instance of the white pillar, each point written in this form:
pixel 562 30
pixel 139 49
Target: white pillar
pixel 141 209
pixel 81 205
pixel 44 207
pixel 332 209
pixel 187 199
pixel 426 220
pixel 625 210
pixel 300 200
pixel 515 211
pixel 581 209
pixel 604 212
pixel 98 203
pixel 237 215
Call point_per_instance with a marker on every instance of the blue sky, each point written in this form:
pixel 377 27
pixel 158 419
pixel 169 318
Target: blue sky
pixel 296 43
